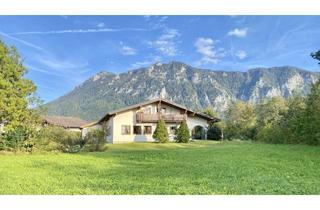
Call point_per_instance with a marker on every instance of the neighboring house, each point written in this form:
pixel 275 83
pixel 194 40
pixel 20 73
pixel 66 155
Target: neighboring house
pixel 69 123
pixel 138 122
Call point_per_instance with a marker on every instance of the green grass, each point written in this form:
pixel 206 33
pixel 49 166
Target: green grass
pixel 149 168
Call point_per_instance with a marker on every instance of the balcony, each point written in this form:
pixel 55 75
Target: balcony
pixel 153 118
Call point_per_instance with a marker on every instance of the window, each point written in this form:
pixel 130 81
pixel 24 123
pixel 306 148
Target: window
pixel 125 130
pixel 172 129
pixel 163 110
pixel 137 130
pixel 148 110
pixel 147 130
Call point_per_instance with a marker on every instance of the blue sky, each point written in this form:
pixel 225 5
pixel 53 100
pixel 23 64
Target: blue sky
pixel 60 52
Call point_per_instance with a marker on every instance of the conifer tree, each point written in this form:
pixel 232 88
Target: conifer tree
pixel 161 133
pixel 183 134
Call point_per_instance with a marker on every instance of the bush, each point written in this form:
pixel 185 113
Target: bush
pixel 52 138
pixel 95 140
pixel 161 133
pixel 71 142
pixel 214 132
pixel 14 140
pixel 183 134
pixel 2 143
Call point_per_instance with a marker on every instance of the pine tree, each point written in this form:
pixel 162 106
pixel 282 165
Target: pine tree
pixel 183 134
pixel 161 133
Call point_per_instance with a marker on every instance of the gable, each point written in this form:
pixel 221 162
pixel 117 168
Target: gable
pixel 171 106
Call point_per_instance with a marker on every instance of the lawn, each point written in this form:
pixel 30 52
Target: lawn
pixel 150 168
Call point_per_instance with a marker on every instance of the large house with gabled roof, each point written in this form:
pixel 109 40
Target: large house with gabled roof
pixel 137 123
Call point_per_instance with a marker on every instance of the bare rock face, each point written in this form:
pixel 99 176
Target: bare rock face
pixel 179 82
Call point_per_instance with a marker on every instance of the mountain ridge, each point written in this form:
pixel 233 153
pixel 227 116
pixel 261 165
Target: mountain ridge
pixel 193 87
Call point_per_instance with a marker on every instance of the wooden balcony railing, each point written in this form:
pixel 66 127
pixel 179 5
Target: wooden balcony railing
pixel 153 118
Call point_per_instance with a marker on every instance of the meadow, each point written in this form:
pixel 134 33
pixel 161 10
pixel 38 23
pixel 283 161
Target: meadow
pixel 203 167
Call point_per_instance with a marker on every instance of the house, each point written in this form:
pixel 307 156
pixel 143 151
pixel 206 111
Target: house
pixel 69 123
pixel 137 123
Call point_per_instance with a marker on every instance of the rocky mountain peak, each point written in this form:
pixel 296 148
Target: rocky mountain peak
pixel 193 87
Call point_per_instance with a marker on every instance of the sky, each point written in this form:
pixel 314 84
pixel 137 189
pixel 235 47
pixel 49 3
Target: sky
pixel 60 52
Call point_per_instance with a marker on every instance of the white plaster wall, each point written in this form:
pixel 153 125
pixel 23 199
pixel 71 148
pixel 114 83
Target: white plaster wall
pixel 1 128
pixel 152 106
pixel 110 131
pixel 193 121
pixel 168 125
pixel 129 118
pixel 169 109
pixel 84 131
pixel 74 129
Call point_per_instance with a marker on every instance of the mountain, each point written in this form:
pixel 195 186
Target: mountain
pixel 179 82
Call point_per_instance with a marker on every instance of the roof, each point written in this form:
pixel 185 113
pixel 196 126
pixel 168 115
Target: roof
pixel 89 124
pixel 66 122
pixel 207 117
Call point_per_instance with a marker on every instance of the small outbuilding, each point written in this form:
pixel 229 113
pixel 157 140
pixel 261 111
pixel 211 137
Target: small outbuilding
pixel 68 123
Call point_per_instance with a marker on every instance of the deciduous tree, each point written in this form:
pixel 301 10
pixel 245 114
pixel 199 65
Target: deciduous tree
pixel 316 55
pixel 15 94
pixel 312 115
pixel 240 120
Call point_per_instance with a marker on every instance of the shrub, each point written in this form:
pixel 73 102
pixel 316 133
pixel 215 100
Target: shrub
pixel 161 133
pixel 14 139
pixel 95 140
pixel 71 142
pixel 52 138
pixel 183 134
pixel 2 143
pixel 214 132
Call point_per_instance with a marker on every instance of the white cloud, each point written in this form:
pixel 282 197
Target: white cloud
pixel 101 25
pixel 22 41
pixel 206 47
pixel 241 54
pixel 166 44
pixel 148 61
pixel 238 32
pixel 69 71
pixel 75 31
pixel 43 70
pixel 56 64
pixel 126 50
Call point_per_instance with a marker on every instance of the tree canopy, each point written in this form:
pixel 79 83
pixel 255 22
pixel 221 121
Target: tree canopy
pixel 316 55
pixel 240 120
pixel 16 96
